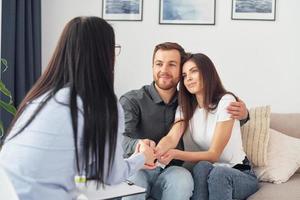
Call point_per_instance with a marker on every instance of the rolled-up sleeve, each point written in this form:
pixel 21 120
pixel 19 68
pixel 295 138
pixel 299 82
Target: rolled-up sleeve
pixel 132 118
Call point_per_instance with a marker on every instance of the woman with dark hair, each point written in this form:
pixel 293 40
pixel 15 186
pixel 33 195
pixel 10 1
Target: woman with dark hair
pixel 70 122
pixel 222 170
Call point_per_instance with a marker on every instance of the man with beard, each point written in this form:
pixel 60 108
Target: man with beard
pixel 149 116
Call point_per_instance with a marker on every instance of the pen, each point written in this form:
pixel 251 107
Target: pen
pixel 129 182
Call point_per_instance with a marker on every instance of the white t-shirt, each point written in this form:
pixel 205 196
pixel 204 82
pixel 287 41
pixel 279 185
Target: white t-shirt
pixel 202 130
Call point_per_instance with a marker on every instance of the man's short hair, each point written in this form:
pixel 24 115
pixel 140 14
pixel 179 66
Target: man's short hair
pixel 170 46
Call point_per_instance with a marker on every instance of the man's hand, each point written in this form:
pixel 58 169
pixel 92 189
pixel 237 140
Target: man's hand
pixel 147 166
pixel 150 143
pixel 150 156
pixel 238 110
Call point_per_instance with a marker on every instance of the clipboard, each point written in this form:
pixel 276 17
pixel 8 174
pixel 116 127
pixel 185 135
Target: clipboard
pixel 110 191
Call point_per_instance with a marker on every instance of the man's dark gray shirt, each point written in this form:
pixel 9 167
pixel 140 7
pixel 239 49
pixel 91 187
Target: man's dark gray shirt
pixel 147 117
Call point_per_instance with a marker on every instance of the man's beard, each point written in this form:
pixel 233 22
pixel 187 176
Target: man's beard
pixel 168 86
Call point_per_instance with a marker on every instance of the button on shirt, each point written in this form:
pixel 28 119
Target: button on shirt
pixel 147 117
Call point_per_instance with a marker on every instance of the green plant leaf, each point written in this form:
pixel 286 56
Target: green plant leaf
pixel 4 62
pixel 8 107
pixel 4 90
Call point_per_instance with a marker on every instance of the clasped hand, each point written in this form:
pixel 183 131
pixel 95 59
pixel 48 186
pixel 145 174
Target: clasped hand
pixel 153 154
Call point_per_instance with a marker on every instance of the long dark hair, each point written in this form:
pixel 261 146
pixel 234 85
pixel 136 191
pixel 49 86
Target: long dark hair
pixel 84 61
pixel 212 87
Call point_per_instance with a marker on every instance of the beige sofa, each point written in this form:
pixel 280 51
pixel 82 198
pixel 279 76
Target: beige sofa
pixel 288 124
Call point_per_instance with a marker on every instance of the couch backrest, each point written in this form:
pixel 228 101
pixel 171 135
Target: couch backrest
pixel 288 123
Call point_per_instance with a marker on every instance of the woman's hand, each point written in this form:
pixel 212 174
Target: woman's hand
pixel 167 157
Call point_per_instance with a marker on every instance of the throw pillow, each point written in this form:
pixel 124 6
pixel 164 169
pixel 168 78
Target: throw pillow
pixel 255 135
pixel 283 158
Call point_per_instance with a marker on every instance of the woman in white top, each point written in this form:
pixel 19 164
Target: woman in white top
pixel 70 123
pixel 223 171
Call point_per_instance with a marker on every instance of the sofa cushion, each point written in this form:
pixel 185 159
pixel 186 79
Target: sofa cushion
pixel 283 158
pixel 270 191
pixel 255 135
pixel 287 123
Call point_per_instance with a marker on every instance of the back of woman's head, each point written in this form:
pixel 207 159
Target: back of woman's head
pixel 84 56
pixel 84 61
pixel 213 89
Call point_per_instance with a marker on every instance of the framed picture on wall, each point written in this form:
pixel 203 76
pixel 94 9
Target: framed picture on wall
pixel 199 12
pixel 122 10
pixel 253 10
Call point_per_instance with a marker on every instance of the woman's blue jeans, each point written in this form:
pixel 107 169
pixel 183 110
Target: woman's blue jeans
pixel 222 183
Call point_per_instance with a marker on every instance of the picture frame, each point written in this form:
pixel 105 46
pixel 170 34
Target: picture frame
pixel 253 10
pixel 122 10
pixel 187 12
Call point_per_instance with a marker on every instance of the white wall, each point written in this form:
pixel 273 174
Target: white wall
pixel 257 60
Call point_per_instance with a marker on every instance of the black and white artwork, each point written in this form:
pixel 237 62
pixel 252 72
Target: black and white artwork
pixel 187 12
pixel 253 9
pixel 122 10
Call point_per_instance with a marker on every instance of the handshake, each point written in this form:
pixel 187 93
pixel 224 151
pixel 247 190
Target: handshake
pixel 155 155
